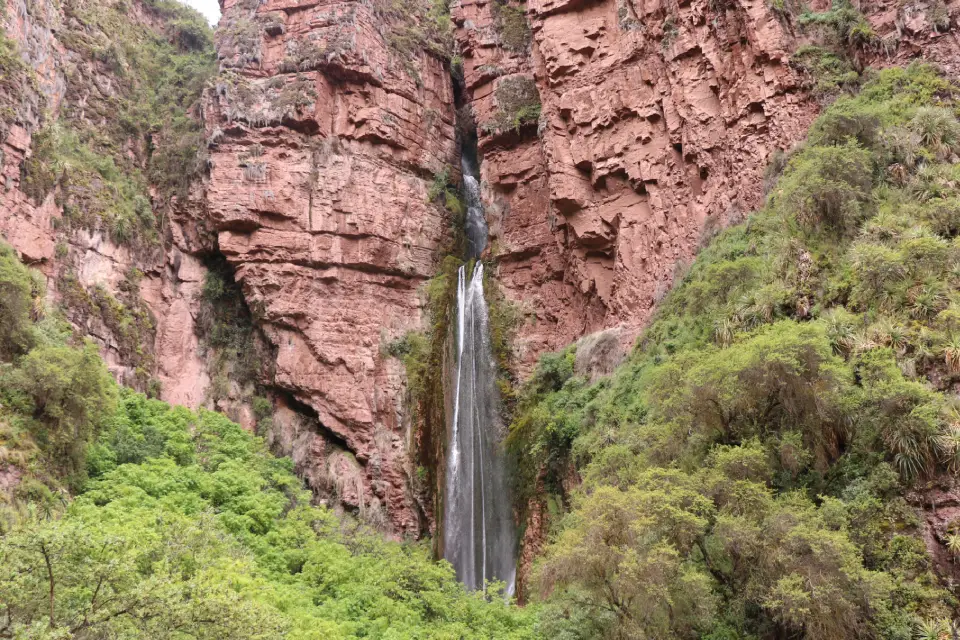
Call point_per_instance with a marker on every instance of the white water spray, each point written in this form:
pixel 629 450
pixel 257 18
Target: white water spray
pixel 479 536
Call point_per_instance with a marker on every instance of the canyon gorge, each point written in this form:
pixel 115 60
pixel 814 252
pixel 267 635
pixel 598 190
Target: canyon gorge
pixel 615 139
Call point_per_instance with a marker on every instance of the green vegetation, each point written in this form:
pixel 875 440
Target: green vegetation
pixel 842 25
pixel 188 528
pixel 16 287
pixel 505 318
pixel 511 25
pixel 95 191
pixel 108 149
pixel 832 63
pixel 745 471
pixel 229 331
pixel 670 32
pixel 417 25
pixel 518 105
pixel 53 389
pixel 829 73
pixel 180 524
pixel 18 84
pixel 446 193
pixel 128 319
pixel 422 354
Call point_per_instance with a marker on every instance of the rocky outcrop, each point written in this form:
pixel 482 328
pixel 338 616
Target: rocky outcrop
pixel 56 81
pixel 938 507
pixel 657 121
pixel 324 141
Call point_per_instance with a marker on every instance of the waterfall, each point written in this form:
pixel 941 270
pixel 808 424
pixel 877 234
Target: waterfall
pixel 479 537
pixel 475 224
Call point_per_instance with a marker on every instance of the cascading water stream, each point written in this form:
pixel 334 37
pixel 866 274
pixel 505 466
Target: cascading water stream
pixel 479 537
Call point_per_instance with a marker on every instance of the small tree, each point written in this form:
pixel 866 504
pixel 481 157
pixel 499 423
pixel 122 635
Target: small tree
pixel 72 392
pixel 15 303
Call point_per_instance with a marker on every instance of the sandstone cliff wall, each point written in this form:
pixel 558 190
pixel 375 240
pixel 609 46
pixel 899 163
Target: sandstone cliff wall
pixel 60 83
pixel 326 137
pixel 658 120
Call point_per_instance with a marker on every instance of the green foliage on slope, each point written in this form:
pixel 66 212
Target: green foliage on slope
pixel 744 472
pixel 110 145
pixel 189 528
pixel 182 525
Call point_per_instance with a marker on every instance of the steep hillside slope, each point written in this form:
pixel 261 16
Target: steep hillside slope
pixel 778 456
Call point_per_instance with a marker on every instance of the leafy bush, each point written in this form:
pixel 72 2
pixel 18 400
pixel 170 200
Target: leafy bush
pixel 70 393
pixel 16 303
pixel 827 186
pixel 844 23
pixel 189 524
pixel 749 462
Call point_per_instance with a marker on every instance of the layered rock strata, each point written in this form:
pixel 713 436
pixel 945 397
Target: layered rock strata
pixel 324 141
pixel 656 124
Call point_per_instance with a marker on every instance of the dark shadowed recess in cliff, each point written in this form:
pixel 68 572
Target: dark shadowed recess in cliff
pixel 240 356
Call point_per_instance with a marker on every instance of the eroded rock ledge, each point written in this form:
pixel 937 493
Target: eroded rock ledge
pixel 657 122
pixel 324 140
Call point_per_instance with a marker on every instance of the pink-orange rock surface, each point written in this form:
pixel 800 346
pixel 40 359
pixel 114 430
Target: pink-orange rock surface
pixel 658 120
pixel 325 142
pixel 56 80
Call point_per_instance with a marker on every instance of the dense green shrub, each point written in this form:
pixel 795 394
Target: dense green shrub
pixel 69 393
pixel 16 303
pixel 190 529
pixel 827 186
pixel 843 23
pixel 755 450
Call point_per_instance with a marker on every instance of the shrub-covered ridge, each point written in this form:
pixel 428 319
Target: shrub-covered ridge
pixel 744 473
pixel 180 524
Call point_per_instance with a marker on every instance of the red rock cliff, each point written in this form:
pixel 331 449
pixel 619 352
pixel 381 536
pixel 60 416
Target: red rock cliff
pixel 54 82
pixel 658 120
pixel 325 139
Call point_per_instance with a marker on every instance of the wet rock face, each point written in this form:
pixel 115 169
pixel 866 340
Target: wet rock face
pixel 324 140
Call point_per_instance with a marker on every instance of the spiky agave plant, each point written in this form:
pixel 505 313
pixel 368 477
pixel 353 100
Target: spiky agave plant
pixel 953 544
pixel 927 300
pixel 932 630
pixel 951 353
pixel 948 444
pixel 938 130
pixel 723 332
pixel 840 330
